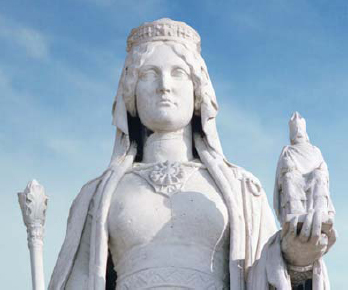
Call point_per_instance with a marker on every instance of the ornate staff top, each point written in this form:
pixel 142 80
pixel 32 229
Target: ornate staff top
pixel 33 203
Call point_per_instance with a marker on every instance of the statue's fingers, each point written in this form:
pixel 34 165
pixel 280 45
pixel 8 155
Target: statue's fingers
pixel 316 227
pixel 285 228
pixel 322 244
pixel 292 232
pixel 306 227
pixel 331 238
pixel 324 240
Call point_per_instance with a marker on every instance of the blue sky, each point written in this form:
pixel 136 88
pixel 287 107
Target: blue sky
pixel 59 67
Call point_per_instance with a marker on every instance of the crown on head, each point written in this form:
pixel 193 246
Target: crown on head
pixel 297 126
pixel 297 121
pixel 163 30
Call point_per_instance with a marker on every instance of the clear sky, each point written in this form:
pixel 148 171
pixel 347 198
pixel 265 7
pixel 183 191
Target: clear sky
pixel 59 67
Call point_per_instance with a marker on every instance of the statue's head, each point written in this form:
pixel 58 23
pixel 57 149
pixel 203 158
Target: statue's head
pixel 161 89
pixel 165 83
pixel 298 131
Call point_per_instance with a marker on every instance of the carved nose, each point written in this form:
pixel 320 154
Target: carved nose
pixel 163 86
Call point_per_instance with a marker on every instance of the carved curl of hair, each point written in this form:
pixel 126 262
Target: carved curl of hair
pixel 136 58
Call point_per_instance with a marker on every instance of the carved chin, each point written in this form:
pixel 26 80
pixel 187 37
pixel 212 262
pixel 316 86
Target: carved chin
pixel 166 118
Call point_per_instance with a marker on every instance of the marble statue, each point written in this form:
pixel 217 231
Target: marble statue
pixel 302 178
pixel 170 212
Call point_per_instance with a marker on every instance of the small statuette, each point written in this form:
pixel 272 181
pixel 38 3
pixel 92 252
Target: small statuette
pixel 302 181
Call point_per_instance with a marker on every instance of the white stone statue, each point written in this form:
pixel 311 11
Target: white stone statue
pixel 170 212
pixel 302 186
pixel 302 179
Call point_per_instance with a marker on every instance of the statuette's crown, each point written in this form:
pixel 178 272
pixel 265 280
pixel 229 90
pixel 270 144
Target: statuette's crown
pixel 164 29
pixel 297 121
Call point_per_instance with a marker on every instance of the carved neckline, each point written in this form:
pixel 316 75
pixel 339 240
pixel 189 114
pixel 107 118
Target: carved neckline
pixel 167 177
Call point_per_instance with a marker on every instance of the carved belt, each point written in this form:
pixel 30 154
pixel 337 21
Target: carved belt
pixel 170 278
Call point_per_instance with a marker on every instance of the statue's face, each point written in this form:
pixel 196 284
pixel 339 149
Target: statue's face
pixel 164 91
pixel 298 134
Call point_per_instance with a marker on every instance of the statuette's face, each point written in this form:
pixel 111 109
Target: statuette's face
pixel 164 91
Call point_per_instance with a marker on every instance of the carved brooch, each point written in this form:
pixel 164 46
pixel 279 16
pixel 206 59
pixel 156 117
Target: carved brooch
pixel 167 177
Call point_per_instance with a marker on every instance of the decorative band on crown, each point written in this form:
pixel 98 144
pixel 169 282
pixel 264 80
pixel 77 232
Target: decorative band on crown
pixel 164 29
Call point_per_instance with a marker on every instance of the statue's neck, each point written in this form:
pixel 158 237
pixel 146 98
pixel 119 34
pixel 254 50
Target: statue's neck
pixel 300 141
pixel 173 146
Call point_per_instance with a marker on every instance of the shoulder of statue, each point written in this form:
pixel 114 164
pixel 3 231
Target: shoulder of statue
pixel 82 203
pixel 285 149
pixel 317 149
pixel 92 184
pixel 249 181
pixel 87 191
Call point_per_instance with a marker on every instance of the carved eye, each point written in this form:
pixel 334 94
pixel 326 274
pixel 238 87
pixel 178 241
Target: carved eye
pixel 148 74
pixel 180 73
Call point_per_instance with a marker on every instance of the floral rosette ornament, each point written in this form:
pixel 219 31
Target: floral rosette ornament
pixel 168 176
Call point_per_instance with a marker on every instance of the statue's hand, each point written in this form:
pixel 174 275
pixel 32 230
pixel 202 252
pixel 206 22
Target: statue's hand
pixel 303 247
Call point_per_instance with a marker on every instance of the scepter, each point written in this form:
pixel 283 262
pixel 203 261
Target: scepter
pixel 33 203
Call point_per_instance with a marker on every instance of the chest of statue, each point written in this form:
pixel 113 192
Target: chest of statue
pixel 181 235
